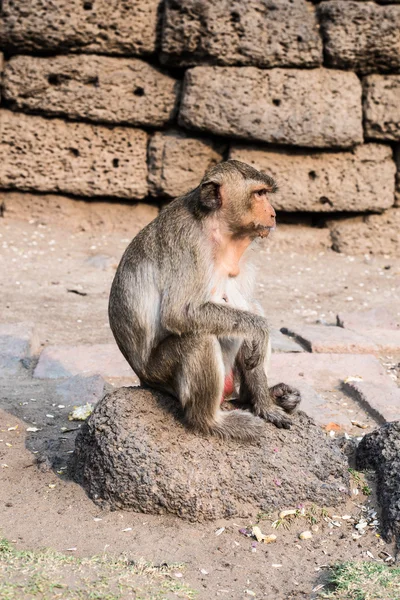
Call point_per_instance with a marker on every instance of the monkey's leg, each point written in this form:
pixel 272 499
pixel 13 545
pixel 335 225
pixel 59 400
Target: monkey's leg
pixel 268 403
pixel 192 369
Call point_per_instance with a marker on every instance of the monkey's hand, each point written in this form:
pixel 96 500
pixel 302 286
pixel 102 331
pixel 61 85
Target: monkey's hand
pixel 254 352
pixel 273 414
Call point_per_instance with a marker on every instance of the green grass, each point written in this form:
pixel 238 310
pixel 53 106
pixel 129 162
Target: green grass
pixel 363 581
pixel 49 575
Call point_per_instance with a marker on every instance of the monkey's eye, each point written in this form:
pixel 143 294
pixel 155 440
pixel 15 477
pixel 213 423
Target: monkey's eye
pixel 260 193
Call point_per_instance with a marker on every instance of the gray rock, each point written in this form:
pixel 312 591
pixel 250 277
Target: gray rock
pixel 361 35
pixel 81 389
pixel 381 401
pixel 94 88
pixel 18 341
pixel 133 453
pixel 380 450
pixel 320 107
pixel 283 343
pixel 397 159
pixel 232 32
pixel 372 234
pixel 359 180
pixel 75 158
pixel 102 26
pixel 177 162
pixel 382 107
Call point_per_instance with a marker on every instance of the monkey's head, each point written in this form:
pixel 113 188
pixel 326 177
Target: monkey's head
pixel 239 195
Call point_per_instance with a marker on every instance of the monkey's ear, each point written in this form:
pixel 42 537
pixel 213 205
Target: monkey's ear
pixel 210 195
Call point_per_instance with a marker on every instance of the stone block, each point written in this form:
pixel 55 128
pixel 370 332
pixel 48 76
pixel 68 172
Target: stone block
pixel 282 106
pixel 18 341
pixel 177 162
pixel 57 362
pixel 359 180
pixel 372 234
pixel 325 339
pixel 231 32
pixel 75 158
pixel 382 107
pixel 382 402
pixel 362 36
pixel 99 26
pixel 283 343
pixel 375 318
pixel 397 159
pixel 92 88
pixel 324 372
pixel 81 389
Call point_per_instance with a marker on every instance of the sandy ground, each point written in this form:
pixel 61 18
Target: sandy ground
pixel 46 254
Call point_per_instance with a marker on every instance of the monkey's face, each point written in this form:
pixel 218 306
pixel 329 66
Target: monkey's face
pixel 250 212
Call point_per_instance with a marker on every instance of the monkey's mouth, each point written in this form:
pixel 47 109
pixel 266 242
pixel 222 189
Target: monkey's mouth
pixel 264 231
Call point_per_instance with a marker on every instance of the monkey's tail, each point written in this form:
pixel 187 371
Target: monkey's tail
pixel 238 425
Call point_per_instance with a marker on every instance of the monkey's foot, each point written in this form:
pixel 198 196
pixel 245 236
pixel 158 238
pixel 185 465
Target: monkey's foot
pixel 285 396
pixel 272 413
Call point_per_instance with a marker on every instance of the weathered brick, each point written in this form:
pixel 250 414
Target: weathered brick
pixel 76 158
pixel 18 341
pixel 397 159
pixel 362 36
pixel 81 389
pixel 324 339
pixel 375 234
pixel 232 32
pixel 94 88
pixel 57 362
pixel 382 107
pixel 375 318
pixel 382 402
pixel 102 26
pixel 177 162
pixel 359 180
pixel 321 108
pixel 283 343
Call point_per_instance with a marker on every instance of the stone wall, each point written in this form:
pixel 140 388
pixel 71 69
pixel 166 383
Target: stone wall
pixel 135 99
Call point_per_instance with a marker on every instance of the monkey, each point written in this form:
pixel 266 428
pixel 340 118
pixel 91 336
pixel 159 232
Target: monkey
pixel 181 307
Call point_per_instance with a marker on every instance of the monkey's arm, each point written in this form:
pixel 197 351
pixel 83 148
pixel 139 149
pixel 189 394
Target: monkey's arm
pixel 224 321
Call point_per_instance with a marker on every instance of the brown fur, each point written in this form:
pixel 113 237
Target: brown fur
pixel 181 310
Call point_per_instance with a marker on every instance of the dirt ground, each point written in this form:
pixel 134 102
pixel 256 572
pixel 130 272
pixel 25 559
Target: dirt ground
pixel 50 246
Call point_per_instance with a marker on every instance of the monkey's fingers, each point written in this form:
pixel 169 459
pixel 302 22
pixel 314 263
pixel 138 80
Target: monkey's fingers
pixel 285 396
pixel 278 419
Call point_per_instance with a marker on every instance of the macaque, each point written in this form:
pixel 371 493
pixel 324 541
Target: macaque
pixel 181 306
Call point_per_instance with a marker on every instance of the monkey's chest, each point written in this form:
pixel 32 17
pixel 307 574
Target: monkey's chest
pixel 229 292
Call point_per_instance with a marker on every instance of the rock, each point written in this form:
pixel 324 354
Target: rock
pixel 382 107
pixel 81 389
pixel 283 343
pixel 375 318
pixel 134 453
pixel 75 158
pixel 359 180
pixel 235 33
pixel 177 162
pixel 381 401
pixel 397 159
pixel 305 237
pixel 281 106
pixel 324 339
pixel 372 234
pixel 56 362
pixel 362 36
pixel 99 26
pixel 93 88
pixel 380 450
pixel 18 341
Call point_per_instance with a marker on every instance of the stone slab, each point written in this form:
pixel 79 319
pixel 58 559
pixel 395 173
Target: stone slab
pixel 397 160
pixel 57 362
pixel 92 88
pixel 372 234
pixel 81 389
pixel 282 106
pixel 76 158
pixel 232 32
pixel 321 409
pixel 177 162
pixel 18 341
pixel 382 402
pixel 381 107
pixel 325 339
pixel 359 180
pixel 283 343
pixel 375 318
pixel 325 372
pixel 98 26
pixel 361 36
